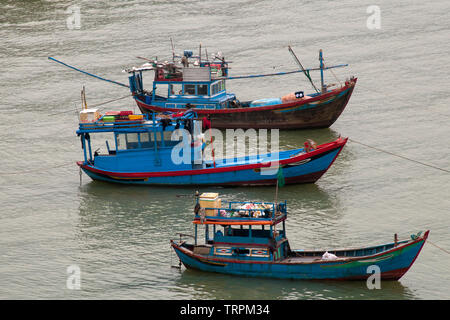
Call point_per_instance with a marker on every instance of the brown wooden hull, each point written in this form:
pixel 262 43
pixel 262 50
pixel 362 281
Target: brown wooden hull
pixel 316 112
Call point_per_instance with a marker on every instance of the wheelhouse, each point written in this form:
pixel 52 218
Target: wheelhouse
pixel 132 141
pixel 198 85
pixel 243 230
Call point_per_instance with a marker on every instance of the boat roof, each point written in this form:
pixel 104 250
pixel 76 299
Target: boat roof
pixel 113 122
pixel 244 213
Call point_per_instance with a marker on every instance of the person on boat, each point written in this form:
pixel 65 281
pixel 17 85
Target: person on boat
pixel 206 122
pixel 234 104
pixel 188 111
pixel 185 61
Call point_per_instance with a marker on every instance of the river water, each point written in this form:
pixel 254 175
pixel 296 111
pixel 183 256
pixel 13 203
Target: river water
pixel 118 236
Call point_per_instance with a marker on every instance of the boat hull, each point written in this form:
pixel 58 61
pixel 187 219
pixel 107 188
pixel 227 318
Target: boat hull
pixel 393 264
pixel 305 168
pixel 317 112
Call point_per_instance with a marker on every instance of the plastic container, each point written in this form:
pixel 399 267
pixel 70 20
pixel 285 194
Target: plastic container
pixel 293 96
pixel 135 117
pixel 89 115
pixel 125 113
pixel 265 102
pixel 210 200
pixel 109 119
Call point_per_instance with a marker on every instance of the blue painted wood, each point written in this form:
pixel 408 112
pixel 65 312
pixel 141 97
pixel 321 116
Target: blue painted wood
pixel 142 162
pixel 253 250
pixel 388 263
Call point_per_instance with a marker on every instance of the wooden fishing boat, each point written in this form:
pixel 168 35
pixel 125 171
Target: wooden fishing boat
pixel 180 85
pixel 141 151
pixel 246 240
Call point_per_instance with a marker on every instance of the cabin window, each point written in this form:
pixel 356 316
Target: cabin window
pixel 176 89
pixel 202 89
pixel 214 89
pixel 162 90
pixel 222 85
pixel 241 251
pixel 121 142
pixel 127 141
pixel 189 89
pixel 132 140
pixel 145 140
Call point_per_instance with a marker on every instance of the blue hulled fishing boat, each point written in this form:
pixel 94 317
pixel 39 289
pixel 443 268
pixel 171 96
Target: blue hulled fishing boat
pixel 142 150
pixel 249 239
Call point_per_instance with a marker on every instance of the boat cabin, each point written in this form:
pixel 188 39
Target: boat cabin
pixel 243 230
pixel 184 84
pixel 135 143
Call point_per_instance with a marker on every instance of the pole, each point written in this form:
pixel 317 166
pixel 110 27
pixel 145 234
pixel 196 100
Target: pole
pixel 276 195
pixel 173 50
pixel 303 69
pixel 212 145
pixel 321 71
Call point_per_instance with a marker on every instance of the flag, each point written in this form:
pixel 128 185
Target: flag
pixel 280 176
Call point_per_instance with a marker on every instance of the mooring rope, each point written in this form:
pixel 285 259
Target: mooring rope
pixel 400 156
pixel 438 247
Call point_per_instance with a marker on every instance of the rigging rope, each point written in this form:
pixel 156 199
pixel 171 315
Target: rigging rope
pixel 400 156
pixel 89 74
pixel 340 83
pixel 93 106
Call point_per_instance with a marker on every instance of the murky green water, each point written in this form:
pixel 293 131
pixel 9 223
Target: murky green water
pixel 119 235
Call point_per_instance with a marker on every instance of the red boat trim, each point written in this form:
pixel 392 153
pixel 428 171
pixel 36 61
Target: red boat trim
pixel 339 143
pixel 251 109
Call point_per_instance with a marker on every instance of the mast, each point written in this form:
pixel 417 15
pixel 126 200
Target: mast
pixel 173 50
pixel 302 68
pixel 321 71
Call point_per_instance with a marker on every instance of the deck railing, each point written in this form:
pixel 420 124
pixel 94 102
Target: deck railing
pixel 264 211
